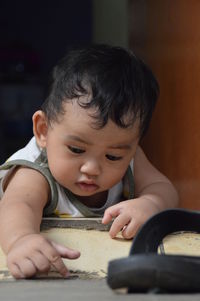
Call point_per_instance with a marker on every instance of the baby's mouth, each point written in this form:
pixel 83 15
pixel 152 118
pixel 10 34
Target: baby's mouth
pixel 87 186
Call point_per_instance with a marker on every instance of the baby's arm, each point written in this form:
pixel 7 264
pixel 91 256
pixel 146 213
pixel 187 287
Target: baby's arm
pixel 153 193
pixel 21 209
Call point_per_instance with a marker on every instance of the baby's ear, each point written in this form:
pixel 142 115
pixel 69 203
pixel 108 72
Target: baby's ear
pixel 40 128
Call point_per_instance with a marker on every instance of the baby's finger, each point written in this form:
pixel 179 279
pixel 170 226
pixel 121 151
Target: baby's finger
pixel 130 230
pixel 27 267
pixel 15 271
pixel 42 264
pixel 110 213
pixel 118 224
pixel 65 252
pixel 58 264
pixel 55 259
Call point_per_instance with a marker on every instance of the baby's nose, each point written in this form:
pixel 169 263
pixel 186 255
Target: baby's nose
pixel 91 167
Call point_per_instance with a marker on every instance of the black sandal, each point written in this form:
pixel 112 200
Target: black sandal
pixel 145 270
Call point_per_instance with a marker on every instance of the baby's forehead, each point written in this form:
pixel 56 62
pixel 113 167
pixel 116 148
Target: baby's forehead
pixel 108 137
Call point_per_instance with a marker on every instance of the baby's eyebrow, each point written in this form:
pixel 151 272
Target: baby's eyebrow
pixel 78 139
pixel 121 146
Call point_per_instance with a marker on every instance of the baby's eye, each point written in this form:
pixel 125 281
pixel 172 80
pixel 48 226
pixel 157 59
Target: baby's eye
pixel 113 158
pixel 76 150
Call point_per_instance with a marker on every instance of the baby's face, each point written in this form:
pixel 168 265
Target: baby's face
pixel 87 160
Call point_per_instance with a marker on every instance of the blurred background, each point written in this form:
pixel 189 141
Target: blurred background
pixel 166 34
pixel 34 35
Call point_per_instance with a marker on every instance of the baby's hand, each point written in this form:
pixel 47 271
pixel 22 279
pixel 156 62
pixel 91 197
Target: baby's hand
pixel 33 253
pixel 129 216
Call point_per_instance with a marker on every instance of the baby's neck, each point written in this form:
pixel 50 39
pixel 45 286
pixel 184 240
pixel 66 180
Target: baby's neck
pixel 95 201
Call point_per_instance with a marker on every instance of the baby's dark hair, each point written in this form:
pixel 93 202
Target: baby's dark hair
pixel 118 84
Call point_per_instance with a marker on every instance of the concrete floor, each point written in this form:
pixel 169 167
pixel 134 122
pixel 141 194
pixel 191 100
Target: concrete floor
pixel 85 289
pixel 75 289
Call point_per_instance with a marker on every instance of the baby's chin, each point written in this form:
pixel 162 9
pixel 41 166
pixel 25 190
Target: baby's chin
pixel 93 200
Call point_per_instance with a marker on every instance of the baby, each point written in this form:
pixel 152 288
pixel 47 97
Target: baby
pixel 84 159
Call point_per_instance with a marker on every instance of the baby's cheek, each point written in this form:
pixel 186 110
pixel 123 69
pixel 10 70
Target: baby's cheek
pixel 59 171
pixel 112 178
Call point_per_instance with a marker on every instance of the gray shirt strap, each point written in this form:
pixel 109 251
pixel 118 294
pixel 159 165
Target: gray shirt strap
pixel 44 170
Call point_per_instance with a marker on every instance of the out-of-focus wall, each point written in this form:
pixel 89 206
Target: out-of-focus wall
pixel 167 35
pixel 110 22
